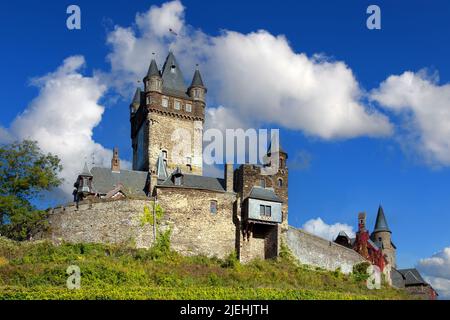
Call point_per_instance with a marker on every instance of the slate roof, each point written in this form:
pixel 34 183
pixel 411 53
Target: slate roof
pixel 153 69
pixel 86 172
pixel 104 180
pixel 280 149
pixel 412 277
pixel 197 80
pixel 381 223
pixel 172 76
pixel 264 194
pixel 192 181
pixel 398 279
pixel 137 97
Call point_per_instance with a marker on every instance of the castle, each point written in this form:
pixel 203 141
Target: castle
pixel 245 212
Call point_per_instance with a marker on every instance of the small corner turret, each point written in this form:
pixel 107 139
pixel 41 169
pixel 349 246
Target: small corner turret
pixel 197 89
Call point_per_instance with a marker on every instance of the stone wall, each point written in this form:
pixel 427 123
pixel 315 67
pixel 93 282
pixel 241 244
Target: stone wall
pixel 195 230
pixel 313 250
pixel 116 221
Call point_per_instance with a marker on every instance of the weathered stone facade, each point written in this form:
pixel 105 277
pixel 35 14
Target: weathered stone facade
pixel 195 230
pixel 313 250
pixel 102 221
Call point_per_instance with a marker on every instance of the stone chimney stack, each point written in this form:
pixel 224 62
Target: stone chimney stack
pixel 362 222
pixel 115 161
pixel 229 177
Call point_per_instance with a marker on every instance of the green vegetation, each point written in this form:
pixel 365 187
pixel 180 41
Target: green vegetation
pixel 147 216
pixel 37 270
pixel 25 172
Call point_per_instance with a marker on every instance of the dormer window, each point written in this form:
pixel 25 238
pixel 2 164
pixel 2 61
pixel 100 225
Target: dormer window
pixel 173 69
pixel 178 180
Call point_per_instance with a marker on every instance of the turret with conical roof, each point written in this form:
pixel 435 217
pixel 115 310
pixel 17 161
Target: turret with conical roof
pixel 197 89
pixel 382 236
pixel 136 103
pixel 381 223
pixel 153 81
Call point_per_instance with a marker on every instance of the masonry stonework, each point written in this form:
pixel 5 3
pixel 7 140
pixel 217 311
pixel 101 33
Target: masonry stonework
pixel 312 250
pixel 195 230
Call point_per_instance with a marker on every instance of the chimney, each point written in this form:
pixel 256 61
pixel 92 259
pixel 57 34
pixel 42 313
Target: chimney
pixel 362 222
pixel 115 161
pixel 229 177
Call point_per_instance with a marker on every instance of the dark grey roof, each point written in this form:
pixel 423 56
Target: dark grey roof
pixel 134 182
pixel 197 80
pixel 86 172
pixel 196 182
pixel 280 149
pixel 381 223
pixel 137 97
pixel 374 245
pixel 398 279
pixel 172 76
pixel 343 234
pixel 175 93
pixel 412 277
pixel 153 69
pixel 264 194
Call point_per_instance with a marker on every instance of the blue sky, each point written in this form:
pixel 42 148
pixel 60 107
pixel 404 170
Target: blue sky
pixel 344 174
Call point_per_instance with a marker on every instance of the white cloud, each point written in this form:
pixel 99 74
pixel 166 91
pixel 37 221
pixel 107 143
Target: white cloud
pixel 5 136
pixel 61 118
pixel 424 109
pixel 257 77
pixel 436 270
pixel 327 231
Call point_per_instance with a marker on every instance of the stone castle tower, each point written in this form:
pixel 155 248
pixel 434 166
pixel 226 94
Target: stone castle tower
pixel 381 235
pixel 167 121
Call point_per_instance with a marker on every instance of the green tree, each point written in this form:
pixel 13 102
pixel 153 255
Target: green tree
pixel 25 173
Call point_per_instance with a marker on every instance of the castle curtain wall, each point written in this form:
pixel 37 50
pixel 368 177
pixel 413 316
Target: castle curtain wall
pixel 195 230
pixel 312 250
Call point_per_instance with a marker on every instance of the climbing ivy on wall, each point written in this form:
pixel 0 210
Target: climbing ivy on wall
pixel 147 216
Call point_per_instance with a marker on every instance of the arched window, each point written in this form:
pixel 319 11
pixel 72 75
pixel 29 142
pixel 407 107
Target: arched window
pixel 280 183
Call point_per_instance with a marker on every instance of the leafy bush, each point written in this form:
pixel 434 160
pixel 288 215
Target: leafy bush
pixel 360 271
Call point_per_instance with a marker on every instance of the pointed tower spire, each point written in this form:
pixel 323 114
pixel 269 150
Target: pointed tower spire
pixel 381 223
pixel 135 104
pixel 137 96
pixel 172 76
pixel 153 69
pixel 153 80
pixel 86 172
pixel 197 89
pixel 197 79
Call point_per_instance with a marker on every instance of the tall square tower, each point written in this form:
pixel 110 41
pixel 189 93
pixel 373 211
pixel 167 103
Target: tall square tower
pixel 167 120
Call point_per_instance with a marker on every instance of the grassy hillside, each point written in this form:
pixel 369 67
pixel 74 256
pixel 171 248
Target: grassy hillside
pixel 38 271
